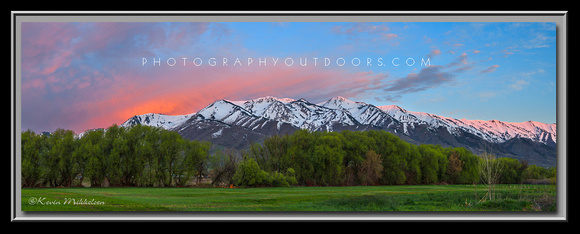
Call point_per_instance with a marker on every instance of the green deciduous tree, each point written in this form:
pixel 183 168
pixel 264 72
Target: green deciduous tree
pixel 429 164
pixel 116 156
pixel 193 163
pixel 249 174
pixel 60 158
pixel 152 156
pixel 327 159
pixel 534 172
pixel 33 150
pixel 512 171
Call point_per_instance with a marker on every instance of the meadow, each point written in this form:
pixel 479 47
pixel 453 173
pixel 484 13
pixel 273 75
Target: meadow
pixel 514 197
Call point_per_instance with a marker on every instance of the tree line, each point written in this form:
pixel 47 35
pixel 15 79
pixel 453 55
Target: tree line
pixel 136 156
pixel 363 158
pixel 348 158
pixel 154 157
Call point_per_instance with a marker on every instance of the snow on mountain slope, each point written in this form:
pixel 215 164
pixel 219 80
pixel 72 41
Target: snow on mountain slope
pixel 343 103
pixel 308 115
pixel 257 113
pixel 299 113
pixel 498 131
pixel 230 113
pixel 491 130
pixel 364 113
pixel 157 120
pixel 224 111
pixel 268 107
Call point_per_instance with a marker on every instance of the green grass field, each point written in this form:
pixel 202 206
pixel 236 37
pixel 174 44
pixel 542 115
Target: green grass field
pixel 356 198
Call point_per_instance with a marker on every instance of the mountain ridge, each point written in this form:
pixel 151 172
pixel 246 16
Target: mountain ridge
pixel 247 121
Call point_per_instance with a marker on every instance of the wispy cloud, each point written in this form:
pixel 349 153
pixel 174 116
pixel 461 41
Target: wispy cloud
pixel 519 84
pixel 489 69
pixel 459 61
pixel 78 74
pixel 538 40
pixel 88 75
pixel 461 64
pixel 428 77
pixel 485 95
pixel 433 53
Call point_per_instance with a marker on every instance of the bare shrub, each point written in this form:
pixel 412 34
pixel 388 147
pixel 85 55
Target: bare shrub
pixel 490 171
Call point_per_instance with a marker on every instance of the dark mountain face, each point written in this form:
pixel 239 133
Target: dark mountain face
pixel 237 124
pixel 534 152
pixel 232 135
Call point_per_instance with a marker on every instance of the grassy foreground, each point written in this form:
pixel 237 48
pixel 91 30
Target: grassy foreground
pixel 356 198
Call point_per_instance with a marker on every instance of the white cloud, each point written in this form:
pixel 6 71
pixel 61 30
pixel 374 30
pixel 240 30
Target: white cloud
pixel 487 94
pixel 520 84
pixel 539 41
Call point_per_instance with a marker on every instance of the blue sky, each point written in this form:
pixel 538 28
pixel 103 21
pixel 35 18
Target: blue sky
pixel 88 75
pixel 504 71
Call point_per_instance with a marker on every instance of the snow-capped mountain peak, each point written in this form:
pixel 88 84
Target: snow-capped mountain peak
pixel 341 103
pixel 266 99
pixel 391 108
pixel 224 111
pixel 339 110
pixel 490 130
pixel 157 120
pixel 240 123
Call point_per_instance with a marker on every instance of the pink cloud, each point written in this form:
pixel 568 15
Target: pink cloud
pixel 64 86
pixel 197 90
pixel 489 69
pixel 389 36
pixel 46 47
pixel 434 52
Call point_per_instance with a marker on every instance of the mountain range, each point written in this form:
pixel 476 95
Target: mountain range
pixel 237 124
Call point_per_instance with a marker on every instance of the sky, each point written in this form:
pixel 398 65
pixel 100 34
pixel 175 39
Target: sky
pixel 90 75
